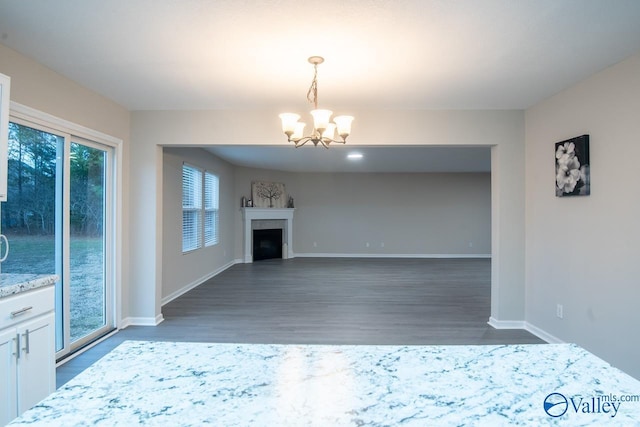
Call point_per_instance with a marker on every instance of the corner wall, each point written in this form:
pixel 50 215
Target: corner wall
pixel 582 252
pixel 181 272
pixel 396 214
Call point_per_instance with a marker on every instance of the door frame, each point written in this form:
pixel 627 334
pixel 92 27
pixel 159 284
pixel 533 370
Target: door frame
pixel 28 116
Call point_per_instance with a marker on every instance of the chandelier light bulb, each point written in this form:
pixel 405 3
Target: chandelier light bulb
pixel 298 133
pixel 289 121
pixel 329 133
pixel 344 125
pixel 321 119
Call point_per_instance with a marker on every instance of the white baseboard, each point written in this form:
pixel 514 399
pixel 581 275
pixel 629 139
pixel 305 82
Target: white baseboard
pixel 142 321
pixel 521 324
pixel 543 335
pixel 150 321
pixel 379 255
pixel 197 282
pixel 506 324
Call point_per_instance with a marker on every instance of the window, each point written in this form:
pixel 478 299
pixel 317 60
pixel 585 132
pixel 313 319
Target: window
pixel 210 209
pixel 199 219
pixel 191 208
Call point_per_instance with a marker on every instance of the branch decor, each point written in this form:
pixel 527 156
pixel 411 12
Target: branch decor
pixel 268 194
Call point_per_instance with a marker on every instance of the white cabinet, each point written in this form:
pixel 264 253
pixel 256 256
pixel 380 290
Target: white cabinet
pixel 8 376
pixel 27 351
pixel 4 133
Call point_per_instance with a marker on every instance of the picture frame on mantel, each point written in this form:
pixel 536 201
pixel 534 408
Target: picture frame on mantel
pixel 573 167
pixel 268 194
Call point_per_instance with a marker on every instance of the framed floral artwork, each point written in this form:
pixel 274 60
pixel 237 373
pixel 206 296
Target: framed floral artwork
pixel 573 176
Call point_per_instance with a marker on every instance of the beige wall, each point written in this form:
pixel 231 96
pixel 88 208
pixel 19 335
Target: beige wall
pixel 39 88
pixel 413 214
pixel 582 252
pixel 145 132
pixel 180 271
pixel 502 130
pixel 417 214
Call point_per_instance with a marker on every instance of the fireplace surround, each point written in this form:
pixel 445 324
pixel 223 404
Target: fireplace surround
pixel 249 215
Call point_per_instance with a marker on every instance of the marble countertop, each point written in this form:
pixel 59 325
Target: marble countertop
pixel 11 284
pixel 194 384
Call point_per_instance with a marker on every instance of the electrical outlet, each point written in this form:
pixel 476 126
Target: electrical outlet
pixel 470 244
pixel 315 244
pixel 367 244
pixel 559 311
pixel 382 244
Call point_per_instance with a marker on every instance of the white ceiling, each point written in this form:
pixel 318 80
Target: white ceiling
pixel 389 54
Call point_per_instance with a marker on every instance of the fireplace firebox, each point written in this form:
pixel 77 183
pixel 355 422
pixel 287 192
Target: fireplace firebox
pixel 267 244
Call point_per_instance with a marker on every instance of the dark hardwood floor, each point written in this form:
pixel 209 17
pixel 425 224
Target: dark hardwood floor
pixel 329 301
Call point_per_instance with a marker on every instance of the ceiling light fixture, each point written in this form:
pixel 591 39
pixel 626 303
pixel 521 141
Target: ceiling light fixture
pixel 354 156
pixel 323 131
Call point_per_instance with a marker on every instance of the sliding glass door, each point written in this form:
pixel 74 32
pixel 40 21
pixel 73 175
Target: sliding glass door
pixel 58 220
pixel 89 295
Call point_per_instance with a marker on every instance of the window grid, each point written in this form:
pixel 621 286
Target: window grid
pixel 200 209
pixel 211 186
pixel 191 208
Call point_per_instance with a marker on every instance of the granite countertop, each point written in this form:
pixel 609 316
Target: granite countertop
pixel 12 284
pixel 194 384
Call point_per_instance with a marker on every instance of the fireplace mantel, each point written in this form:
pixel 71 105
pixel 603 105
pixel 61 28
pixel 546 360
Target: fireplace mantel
pixel 251 214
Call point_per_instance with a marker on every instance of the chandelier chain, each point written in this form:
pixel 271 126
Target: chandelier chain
pixel 312 94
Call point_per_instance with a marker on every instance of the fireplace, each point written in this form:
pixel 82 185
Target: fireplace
pixel 267 244
pixel 263 219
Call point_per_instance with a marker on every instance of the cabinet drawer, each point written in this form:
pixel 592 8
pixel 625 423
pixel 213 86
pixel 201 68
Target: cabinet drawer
pixel 26 305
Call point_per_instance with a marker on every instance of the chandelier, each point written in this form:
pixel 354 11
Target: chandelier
pixel 323 131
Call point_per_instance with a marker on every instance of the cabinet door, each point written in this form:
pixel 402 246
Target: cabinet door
pixel 37 362
pixel 4 134
pixel 8 388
